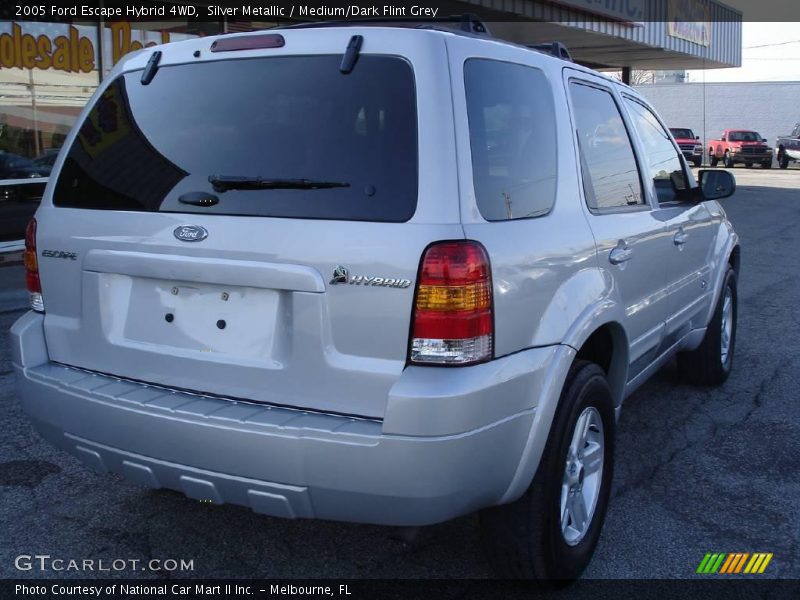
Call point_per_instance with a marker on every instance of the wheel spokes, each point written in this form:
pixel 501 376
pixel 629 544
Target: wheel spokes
pixel 577 512
pixel 582 478
pixel 592 458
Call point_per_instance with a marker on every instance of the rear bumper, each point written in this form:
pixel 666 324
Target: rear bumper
pixel 291 463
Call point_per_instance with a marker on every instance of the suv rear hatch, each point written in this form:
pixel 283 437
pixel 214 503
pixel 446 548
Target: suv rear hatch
pixel 250 227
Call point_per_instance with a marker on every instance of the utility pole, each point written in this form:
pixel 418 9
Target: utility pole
pixel 32 88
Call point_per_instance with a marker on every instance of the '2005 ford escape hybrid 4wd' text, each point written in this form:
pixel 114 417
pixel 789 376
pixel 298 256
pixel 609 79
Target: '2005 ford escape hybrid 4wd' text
pixel 375 274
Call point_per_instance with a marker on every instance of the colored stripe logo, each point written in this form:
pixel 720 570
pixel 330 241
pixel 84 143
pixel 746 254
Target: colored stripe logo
pixel 731 563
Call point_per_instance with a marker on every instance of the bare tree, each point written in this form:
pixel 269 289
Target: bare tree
pixel 642 77
pixel 637 77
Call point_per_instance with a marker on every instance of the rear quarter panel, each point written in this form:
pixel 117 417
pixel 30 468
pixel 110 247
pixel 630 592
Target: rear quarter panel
pixel 547 285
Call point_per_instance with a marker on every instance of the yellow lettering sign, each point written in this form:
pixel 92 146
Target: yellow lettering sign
pixel 72 52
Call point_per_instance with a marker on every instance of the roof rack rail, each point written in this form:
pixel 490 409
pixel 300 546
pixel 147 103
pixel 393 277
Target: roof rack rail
pixel 470 23
pixel 557 49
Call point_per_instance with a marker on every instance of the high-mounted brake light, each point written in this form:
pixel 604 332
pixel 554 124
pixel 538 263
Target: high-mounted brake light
pixel 248 42
pixel 452 320
pixel 32 281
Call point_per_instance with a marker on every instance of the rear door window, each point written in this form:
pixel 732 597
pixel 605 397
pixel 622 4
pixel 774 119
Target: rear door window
pixel 283 123
pixel 610 174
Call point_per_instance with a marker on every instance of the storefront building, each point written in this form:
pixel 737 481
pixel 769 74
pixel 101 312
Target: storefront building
pixel 48 71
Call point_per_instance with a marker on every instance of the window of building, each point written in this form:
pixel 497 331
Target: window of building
pixel 48 72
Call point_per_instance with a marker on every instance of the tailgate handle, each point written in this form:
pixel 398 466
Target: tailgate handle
pixel 220 271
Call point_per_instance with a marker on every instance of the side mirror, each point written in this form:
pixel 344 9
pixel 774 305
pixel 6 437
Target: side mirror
pixel 764 139
pixel 697 137
pixel 716 184
pixel 678 180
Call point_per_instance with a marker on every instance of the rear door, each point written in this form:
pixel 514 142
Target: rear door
pixel 251 225
pixel 631 239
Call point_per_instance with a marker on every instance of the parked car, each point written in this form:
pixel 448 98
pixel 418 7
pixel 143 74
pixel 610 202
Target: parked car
pixel 46 160
pixel 689 143
pixel 18 200
pixel 14 166
pixel 788 147
pixel 389 286
pixel 740 146
pixel 18 203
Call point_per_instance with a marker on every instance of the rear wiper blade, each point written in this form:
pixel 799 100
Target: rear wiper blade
pixel 223 183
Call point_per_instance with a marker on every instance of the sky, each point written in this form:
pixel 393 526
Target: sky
pixel 770 52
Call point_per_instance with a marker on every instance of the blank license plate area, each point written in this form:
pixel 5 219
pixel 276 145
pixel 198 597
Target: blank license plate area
pixel 207 318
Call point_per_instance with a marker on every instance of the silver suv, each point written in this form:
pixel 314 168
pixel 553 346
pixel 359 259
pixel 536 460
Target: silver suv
pixel 375 274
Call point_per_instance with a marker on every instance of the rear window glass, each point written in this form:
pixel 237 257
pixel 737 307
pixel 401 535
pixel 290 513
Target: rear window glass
pixel 683 134
pixel 280 119
pixel 512 137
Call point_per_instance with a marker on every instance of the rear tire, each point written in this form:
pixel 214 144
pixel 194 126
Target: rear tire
pixel 783 161
pixel 698 162
pixel 710 364
pixel 712 159
pixel 526 539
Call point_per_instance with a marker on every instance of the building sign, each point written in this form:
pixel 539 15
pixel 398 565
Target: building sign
pixel 72 48
pixel 72 51
pixel 689 20
pixel 624 10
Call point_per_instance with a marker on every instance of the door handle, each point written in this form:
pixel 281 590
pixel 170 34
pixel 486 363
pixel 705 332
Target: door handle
pixel 681 237
pixel 620 254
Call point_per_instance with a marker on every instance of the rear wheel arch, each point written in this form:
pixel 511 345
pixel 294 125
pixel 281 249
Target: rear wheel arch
pixel 602 340
pixel 607 347
pixel 734 259
pixel 530 538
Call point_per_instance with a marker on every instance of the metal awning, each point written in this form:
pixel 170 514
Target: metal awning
pixel 600 39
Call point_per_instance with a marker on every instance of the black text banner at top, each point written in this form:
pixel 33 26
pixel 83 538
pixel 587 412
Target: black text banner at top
pixel 622 11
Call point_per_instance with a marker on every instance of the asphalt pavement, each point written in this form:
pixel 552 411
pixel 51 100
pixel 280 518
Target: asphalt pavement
pixel 697 470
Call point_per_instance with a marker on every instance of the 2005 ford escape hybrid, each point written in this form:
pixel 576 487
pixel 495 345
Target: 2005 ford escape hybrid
pixel 376 274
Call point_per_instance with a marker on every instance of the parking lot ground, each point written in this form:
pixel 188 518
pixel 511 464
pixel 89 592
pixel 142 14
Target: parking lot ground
pixel 697 470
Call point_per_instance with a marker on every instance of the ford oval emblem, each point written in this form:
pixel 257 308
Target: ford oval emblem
pixel 190 233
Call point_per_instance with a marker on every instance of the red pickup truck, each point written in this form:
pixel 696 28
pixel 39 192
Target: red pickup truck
pixel 740 146
pixel 689 143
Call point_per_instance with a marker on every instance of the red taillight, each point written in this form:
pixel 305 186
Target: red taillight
pixel 32 281
pixel 452 319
